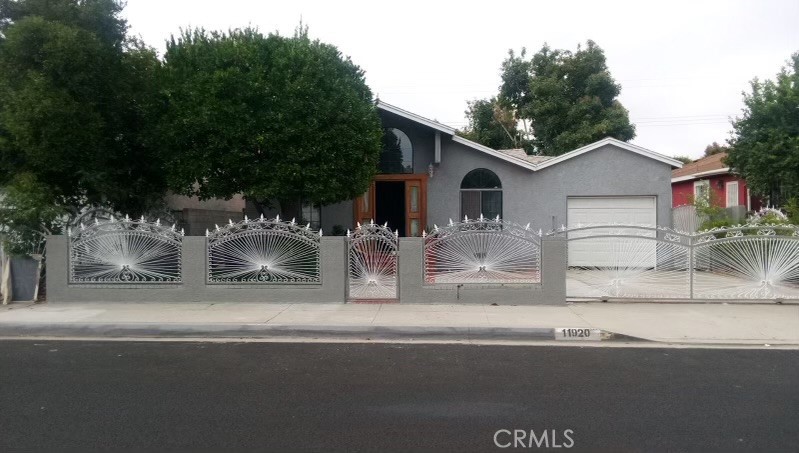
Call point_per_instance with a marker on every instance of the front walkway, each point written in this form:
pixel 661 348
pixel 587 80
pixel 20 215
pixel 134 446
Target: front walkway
pixel 674 323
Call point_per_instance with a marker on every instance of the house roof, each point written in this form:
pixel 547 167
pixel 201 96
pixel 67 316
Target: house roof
pixel 513 156
pixel 414 117
pixel 519 153
pixel 617 143
pixel 706 166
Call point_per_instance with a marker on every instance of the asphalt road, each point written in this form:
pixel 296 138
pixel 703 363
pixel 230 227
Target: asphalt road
pixel 398 397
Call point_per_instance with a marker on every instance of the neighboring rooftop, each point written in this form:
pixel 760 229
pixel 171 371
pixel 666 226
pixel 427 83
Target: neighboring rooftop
pixel 522 154
pixel 704 166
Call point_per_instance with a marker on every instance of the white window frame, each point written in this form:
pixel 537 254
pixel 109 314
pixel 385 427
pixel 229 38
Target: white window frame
pixel 728 192
pixel 481 191
pixel 697 185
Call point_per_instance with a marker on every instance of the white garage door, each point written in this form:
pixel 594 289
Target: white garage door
pixel 611 210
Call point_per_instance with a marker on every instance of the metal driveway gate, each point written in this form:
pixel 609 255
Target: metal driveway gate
pixel 747 263
pixel 657 263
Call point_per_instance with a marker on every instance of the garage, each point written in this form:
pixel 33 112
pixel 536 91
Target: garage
pixel 641 210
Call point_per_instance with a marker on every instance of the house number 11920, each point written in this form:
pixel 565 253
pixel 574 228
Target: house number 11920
pixel 577 333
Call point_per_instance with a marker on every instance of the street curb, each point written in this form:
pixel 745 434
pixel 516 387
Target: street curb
pixel 227 330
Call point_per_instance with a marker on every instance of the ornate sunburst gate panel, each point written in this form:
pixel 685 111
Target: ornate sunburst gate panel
pixel 372 262
pixel 125 251
pixel 627 261
pixel 263 251
pixel 482 251
pixel 747 262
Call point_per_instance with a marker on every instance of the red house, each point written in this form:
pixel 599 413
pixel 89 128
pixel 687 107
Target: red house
pixel 711 174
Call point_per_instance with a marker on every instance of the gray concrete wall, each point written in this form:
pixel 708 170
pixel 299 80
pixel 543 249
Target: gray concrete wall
pixel 194 287
pixel 540 197
pixel 551 290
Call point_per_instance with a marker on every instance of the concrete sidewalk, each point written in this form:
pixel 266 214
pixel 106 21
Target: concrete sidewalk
pixel 673 323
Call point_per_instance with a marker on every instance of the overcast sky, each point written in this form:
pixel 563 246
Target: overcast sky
pixel 682 65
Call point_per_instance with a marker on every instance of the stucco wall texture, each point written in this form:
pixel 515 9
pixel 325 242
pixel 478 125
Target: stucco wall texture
pixel 540 197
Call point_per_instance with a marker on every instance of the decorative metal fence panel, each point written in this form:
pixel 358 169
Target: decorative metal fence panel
pixel 489 251
pixel 645 262
pixel 263 251
pixel 120 251
pixel 372 256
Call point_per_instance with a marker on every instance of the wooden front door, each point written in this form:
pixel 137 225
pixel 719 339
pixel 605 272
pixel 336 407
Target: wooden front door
pixel 415 206
pixel 364 206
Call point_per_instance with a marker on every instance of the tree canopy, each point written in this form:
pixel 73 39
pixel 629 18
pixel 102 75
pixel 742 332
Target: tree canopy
pixel 765 143
pixel 74 98
pixel 100 17
pixel 271 117
pixel 493 125
pixel 567 99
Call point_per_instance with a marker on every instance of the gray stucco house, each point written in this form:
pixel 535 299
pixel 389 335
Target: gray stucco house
pixel 430 175
pixel 444 176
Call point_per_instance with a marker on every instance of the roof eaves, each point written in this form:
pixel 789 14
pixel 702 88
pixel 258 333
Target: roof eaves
pixel 495 153
pixel 718 171
pixel 611 141
pixel 414 117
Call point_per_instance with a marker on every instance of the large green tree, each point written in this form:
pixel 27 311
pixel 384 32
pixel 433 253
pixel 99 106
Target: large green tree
pixel 765 143
pixel 493 125
pixel 567 99
pixel 271 117
pixel 75 93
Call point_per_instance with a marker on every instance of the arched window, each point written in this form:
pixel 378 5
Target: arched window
pixel 481 193
pixel 397 154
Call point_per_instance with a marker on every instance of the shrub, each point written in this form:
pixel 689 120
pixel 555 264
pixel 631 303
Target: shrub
pixel 768 216
pixel 792 209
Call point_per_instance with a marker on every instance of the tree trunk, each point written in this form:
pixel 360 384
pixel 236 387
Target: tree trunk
pixel 291 209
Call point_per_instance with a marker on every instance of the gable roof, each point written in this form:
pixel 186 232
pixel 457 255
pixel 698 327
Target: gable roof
pixel 706 166
pixel 520 153
pixel 533 163
pixel 617 143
